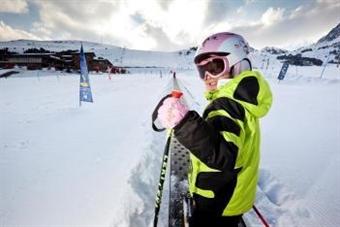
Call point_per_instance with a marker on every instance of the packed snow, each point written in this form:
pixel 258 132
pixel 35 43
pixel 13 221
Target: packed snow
pixel 98 164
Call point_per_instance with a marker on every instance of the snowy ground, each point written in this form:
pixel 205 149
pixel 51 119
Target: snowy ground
pixel 98 165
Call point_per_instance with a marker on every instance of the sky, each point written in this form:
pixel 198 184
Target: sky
pixel 169 25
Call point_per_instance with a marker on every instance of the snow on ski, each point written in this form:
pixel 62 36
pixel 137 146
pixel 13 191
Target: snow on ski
pixel 179 164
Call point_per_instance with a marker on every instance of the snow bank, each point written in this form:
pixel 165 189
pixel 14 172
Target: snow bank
pixel 98 165
pixel 293 147
pixel 63 165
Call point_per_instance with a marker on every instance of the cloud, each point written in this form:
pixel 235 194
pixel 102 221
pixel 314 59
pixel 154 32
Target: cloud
pixel 138 18
pixel 160 38
pixel 181 21
pixel 165 4
pixel 98 21
pixel 288 29
pixel 76 20
pixel 8 33
pixel 176 24
pixel 217 11
pixel 13 6
pixel 148 24
pixel 75 15
pixel 272 16
pixel 247 2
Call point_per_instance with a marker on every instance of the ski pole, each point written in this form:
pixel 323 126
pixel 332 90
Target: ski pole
pixel 162 179
pixel 175 94
pixel 264 222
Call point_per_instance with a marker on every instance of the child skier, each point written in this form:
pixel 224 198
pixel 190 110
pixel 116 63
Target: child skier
pixel 224 143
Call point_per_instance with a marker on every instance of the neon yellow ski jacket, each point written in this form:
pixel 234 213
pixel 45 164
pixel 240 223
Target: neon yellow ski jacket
pixel 224 145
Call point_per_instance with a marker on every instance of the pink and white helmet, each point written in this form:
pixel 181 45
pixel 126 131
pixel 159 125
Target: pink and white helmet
pixel 234 46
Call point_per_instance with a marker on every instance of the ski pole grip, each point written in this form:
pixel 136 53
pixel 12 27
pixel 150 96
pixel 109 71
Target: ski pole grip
pixel 155 114
pixel 175 94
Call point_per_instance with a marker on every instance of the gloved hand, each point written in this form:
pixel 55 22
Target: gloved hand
pixel 171 112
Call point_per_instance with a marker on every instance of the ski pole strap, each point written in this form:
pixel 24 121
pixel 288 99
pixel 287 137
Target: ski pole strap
pixel 162 179
pixel 264 222
pixel 155 114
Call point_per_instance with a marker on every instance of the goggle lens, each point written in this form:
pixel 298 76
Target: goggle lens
pixel 215 66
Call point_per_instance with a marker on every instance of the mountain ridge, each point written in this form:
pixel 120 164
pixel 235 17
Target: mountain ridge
pixel 326 48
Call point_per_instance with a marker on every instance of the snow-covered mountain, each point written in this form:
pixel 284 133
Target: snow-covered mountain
pixel 327 48
pixel 119 56
pixel 333 36
pixel 274 50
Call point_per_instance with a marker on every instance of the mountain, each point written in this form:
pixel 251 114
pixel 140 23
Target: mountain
pixel 118 56
pixel 334 34
pixel 326 48
pixel 274 50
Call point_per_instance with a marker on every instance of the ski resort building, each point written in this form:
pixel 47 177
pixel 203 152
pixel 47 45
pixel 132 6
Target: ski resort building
pixel 64 60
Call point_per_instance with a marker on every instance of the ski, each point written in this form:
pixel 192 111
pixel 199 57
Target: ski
pixel 178 192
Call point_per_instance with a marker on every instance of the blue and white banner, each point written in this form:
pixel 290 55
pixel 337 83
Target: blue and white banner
pixel 85 94
pixel 283 71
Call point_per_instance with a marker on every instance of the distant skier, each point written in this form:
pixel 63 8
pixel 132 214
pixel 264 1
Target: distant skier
pixel 224 143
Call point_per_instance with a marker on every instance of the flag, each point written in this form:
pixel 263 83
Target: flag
pixel 85 94
pixel 283 71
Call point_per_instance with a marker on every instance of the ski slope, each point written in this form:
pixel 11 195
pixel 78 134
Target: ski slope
pixel 118 56
pixel 98 165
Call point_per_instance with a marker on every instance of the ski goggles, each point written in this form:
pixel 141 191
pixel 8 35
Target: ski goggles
pixel 215 66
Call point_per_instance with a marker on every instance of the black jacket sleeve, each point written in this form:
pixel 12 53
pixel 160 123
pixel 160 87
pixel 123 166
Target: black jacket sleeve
pixel 205 142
